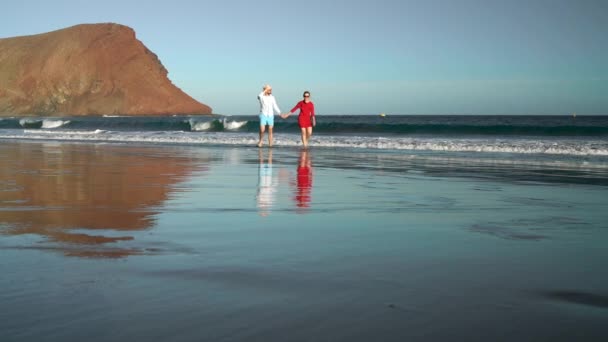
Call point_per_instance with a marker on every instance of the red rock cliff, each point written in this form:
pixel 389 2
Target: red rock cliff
pixel 87 69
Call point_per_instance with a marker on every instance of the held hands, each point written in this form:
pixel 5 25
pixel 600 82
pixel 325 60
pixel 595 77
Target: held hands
pixel 285 115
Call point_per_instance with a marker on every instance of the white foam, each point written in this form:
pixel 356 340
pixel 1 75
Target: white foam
pixel 49 123
pixel 24 122
pixel 593 148
pixel 55 135
pixel 565 147
pixel 200 126
pixel 233 125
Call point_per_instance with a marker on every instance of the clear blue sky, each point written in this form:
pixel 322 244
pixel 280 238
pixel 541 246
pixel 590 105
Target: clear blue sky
pixel 397 57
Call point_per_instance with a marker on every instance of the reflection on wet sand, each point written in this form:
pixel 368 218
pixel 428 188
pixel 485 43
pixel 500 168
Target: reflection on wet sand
pixel 266 184
pixel 62 191
pixel 303 189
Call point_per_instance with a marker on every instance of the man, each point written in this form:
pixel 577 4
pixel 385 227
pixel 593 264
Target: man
pixel 268 106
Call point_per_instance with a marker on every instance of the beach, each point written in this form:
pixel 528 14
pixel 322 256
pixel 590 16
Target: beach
pixel 160 179
pixel 138 241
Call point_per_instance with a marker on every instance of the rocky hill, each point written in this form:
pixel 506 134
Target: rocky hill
pixel 89 69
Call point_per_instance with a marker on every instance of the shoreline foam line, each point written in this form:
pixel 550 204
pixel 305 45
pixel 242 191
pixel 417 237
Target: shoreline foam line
pixel 585 148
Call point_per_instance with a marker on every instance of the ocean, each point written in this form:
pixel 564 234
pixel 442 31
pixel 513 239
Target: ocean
pixel 555 135
pixel 396 228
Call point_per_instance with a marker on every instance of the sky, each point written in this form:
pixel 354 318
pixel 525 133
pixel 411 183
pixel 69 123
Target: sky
pixel 355 57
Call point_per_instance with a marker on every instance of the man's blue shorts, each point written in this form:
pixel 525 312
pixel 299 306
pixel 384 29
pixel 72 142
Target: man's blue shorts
pixel 266 120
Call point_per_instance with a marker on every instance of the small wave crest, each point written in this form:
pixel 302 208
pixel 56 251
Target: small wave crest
pixel 43 123
pixel 196 126
pixel 217 125
pixel 51 134
pixel 234 125
pixel 48 123
pixel 30 123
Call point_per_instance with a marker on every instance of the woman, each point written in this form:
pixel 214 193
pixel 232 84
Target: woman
pixel 306 118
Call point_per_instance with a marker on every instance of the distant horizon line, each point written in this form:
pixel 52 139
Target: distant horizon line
pixel 434 114
pixel 10 115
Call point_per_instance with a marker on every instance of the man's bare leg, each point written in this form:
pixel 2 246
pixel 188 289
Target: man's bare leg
pixel 269 135
pixel 262 129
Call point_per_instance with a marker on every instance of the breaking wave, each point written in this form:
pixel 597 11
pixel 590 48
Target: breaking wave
pixel 452 126
pixel 572 147
pixel 48 123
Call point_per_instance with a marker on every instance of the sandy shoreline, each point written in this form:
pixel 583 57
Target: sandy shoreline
pixel 117 242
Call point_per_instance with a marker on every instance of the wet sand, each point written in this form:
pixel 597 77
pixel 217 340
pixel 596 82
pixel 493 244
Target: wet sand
pixel 106 242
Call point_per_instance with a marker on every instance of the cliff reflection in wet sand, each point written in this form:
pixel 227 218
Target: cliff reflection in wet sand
pixel 52 190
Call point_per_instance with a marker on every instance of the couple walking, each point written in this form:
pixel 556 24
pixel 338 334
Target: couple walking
pixel 268 106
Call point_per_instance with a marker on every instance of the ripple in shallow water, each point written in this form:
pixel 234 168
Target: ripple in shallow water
pixel 577 297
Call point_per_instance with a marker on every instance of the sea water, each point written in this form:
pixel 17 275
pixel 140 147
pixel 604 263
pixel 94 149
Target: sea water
pixel 563 135
pixel 159 234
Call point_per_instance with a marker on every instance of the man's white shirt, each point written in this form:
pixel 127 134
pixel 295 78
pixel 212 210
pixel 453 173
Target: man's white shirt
pixel 267 104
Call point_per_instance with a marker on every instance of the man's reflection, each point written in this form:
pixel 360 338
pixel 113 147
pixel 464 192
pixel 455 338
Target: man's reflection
pixel 266 184
pixel 304 181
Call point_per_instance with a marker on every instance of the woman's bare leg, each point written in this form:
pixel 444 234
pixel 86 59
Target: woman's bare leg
pixel 308 133
pixel 304 137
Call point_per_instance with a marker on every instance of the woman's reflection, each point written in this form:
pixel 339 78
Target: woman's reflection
pixel 304 182
pixel 266 184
